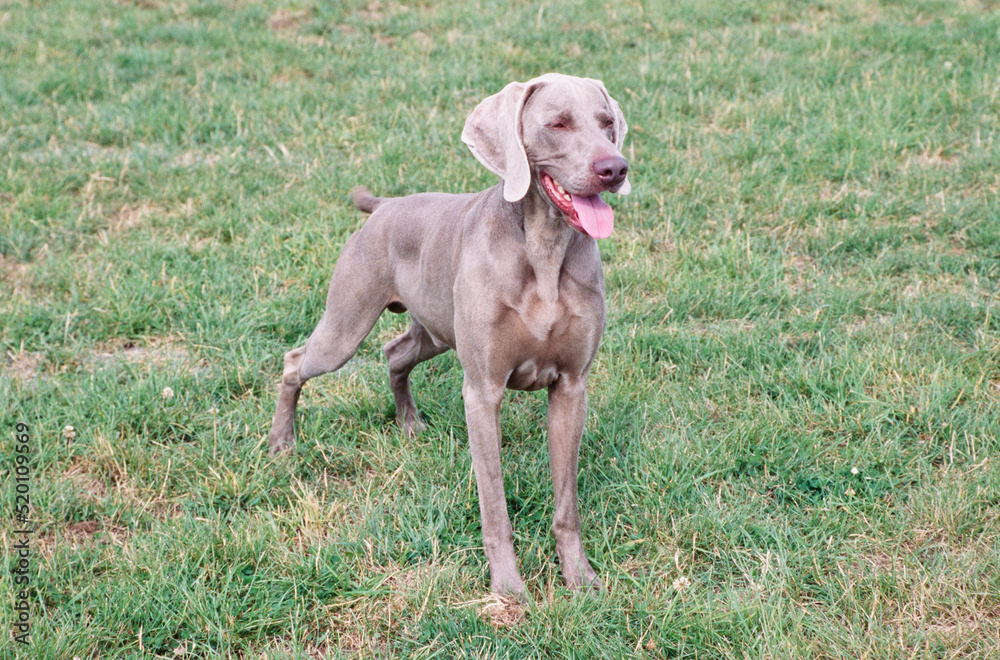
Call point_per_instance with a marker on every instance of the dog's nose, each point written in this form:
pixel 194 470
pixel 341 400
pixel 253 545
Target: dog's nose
pixel 611 171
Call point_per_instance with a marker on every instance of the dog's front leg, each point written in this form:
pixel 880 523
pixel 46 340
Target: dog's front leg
pixel 567 414
pixel 482 415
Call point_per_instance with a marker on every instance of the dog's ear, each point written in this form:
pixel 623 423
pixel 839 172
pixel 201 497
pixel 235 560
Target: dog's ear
pixel 493 133
pixel 621 128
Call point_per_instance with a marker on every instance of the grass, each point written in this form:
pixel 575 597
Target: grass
pixel 792 443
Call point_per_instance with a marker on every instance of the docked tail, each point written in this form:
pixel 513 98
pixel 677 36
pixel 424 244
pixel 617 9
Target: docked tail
pixel 364 200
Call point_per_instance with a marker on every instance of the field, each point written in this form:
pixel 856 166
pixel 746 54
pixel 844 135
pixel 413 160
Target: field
pixel 792 443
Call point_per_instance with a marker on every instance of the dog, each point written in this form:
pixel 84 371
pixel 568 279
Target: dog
pixel 510 278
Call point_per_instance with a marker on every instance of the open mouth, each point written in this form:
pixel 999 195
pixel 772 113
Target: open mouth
pixel 590 215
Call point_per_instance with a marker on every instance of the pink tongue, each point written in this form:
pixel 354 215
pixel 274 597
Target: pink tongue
pixel 596 217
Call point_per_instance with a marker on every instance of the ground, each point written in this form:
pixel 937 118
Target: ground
pixel 791 449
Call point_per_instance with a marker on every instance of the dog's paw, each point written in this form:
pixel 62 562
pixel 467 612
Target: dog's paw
pixel 411 422
pixel 509 589
pixel 584 579
pixel 590 585
pixel 280 445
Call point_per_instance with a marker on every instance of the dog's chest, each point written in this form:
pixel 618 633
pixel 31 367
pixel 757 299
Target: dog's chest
pixel 548 320
pixel 554 336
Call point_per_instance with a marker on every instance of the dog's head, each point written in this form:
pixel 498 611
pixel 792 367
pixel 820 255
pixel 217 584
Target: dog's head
pixel 567 132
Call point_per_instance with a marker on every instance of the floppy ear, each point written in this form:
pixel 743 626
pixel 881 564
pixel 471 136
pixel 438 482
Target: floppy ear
pixel 621 128
pixel 493 133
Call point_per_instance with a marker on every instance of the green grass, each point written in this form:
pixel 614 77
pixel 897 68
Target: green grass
pixel 792 444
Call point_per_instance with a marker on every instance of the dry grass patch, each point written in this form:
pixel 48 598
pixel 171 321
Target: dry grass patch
pixel 285 20
pixel 130 216
pixel 829 192
pixel 928 158
pixel 109 460
pixel 361 629
pixel 87 530
pixel 500 611
pixel 315 516
pixel 972 623
pixel 158 352
pixel 373 13
pixel 15 275
pixel 23 365
pixel 83 481
pixel 194 158
pixel 81 534
pixel 966 634
pixel 800 270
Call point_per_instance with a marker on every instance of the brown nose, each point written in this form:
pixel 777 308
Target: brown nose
pixel 611 171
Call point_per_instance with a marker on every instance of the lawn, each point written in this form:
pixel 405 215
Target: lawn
pixel 792 444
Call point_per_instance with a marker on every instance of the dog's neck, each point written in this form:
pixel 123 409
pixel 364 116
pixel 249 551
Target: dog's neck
pixel 547 236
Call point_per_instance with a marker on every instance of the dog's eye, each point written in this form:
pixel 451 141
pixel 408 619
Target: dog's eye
pixel 558 126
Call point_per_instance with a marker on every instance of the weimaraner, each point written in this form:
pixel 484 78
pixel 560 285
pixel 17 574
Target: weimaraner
pixel 510 278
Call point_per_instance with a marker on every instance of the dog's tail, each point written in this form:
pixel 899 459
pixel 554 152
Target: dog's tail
pixel 364 200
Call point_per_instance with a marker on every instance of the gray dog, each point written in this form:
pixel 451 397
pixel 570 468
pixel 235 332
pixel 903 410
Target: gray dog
pixel 510 278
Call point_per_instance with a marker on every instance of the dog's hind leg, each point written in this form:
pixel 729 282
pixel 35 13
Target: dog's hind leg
pixel 403 353
pixel 358 294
